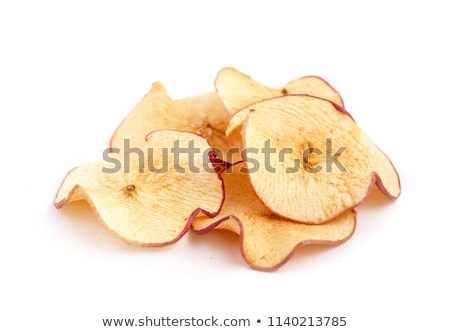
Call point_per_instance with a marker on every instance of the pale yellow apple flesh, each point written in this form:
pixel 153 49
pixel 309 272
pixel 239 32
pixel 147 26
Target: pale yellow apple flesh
pixel 314 86
pixel 238 90
pixel 322 164
pixel 267 240
pixel 151 199
pixel 306 166
pixel 205 115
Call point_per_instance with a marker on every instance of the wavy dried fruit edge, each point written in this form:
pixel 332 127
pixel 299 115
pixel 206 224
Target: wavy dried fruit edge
pixel 209 115
pixel 267 241
pixel 322 161
pixel 136 201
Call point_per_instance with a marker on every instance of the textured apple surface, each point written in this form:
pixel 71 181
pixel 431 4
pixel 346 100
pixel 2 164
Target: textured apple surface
pixel 322 162
pixel 205 115
pixel 148 204
pixel 238 90
pixel 268 241
pixel 282 167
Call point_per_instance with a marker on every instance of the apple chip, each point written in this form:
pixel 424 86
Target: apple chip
pixel 281 167
pixel 238 90
pixel 308 160
pixel 267 240
pixel 149 196
pixel 204 114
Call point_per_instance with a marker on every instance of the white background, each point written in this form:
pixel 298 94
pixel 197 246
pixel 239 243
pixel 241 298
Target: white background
pixel 70 72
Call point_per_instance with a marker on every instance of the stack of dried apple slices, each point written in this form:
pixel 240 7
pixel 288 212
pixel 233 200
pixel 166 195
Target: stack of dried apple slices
pixel 294 182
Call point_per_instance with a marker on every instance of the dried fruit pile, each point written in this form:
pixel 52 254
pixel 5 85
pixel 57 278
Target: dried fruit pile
pixel 281 167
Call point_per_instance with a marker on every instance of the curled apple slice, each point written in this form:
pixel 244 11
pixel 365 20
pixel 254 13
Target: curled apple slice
pixel 308 160
pixel 149 196
pixel 268 241
pixel 205 115
pixel 238 90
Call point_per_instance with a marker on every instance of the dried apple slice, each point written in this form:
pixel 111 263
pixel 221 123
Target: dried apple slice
pixel 204 114
pixel 309 161
pixel 238 90
pixel 149 196
pixel 268 241
pixel 314 86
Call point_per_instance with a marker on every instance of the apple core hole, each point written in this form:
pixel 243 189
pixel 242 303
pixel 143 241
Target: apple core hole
pixel 130 188
pixel 309 156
